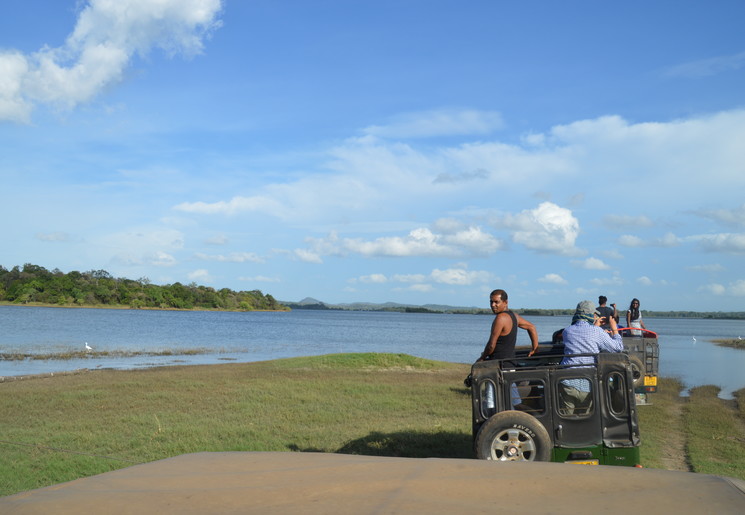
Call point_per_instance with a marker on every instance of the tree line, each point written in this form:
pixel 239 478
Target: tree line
pixel 35 284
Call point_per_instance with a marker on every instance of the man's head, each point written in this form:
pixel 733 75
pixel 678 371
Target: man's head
pixel 586 311
pixel 498 301
pixel 602 300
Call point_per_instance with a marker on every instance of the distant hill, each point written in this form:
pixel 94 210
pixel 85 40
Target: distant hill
pixel 311 303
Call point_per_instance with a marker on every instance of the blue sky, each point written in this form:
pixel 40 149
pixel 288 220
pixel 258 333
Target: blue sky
pixel 413 151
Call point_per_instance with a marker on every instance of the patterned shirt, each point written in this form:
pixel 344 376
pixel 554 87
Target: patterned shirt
pixel 583 338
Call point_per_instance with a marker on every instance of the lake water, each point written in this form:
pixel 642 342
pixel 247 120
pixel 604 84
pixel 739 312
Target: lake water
pixel 242 337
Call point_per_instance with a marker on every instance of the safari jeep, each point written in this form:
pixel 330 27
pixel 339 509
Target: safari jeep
pixel 520 413
pixel 644 355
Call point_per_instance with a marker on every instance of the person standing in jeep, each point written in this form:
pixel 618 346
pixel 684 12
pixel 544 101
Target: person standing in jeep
pixel 606 313
pixel 582 339
pixel 503 335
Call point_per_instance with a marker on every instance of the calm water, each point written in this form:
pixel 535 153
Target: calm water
pixel 243 337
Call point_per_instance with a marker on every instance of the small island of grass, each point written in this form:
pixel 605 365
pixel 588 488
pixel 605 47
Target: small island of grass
pixel 737 343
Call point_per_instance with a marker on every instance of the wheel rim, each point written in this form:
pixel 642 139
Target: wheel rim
pixel 513 445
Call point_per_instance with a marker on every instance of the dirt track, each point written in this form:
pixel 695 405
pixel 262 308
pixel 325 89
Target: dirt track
pixel 244 482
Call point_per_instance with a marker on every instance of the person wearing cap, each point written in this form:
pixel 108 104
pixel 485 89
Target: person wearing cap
pixel 585 336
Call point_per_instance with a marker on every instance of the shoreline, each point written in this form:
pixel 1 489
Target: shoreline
pixel 145 308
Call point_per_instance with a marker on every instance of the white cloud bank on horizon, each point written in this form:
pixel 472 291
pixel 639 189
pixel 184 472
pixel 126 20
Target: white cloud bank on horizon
pixel 362 173
pixel 108 34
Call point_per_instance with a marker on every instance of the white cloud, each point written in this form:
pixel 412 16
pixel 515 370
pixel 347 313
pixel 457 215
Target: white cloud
pixel 373 278
pixel 420 242
pixel 712 268
pixel 460 276
pixel 735 217
pixel 421 288
pixel 547 228
pixel 738 288
pixel 409 278
pixel 714 288
pixel 735 289
pixel 143 246
pixel 667 240
pixel 233 257
pixel 97 53
pixel 607 281
pixel 553 279
pixel 219 239
pixel 464 176
pixel 259 279
pixel 644 281
pixel 457 276
pixel 13 105
pixel 362 174
pixel 707 67
pixel 53 236
pixel 592 263
pixel 438 123
pixel 158 258
pixel 629 240
pixel 627 221
pixel 200 276
pixel 234 206
pixel 307 256
pixel 728 243
pixel 704 150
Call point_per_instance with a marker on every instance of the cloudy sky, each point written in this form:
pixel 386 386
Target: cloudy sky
pixel 414 151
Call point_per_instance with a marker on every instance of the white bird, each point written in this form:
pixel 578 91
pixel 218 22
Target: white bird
pixel 739 338
pixel 88 347
pixel 694 339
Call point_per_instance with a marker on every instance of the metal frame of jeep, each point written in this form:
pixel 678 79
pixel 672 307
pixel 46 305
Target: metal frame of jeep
pixel 644 355
pixel 526 419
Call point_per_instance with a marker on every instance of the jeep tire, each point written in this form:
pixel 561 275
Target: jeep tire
pixel 513 436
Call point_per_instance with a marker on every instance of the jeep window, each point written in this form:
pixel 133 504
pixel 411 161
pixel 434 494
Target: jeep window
pixel 529 396
pixel 575 397
pixel 488 400
pixel 616 393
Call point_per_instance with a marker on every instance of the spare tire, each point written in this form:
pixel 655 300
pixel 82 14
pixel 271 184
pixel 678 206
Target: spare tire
pixel 513 436
pixel 637 371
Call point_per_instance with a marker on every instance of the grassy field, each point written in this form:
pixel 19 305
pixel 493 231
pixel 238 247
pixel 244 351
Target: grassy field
pixel 55 429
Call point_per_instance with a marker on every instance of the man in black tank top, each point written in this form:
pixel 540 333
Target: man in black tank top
pixel 503 335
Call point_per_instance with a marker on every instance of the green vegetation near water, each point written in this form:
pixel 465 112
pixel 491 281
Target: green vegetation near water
pixel 737 343
pixel 35 285
pixel 55 429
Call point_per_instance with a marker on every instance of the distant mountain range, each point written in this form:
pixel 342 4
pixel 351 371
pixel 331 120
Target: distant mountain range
pixel 311 303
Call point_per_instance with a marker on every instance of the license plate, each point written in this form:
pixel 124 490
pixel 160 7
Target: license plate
pixel 583 462
pixel 650 380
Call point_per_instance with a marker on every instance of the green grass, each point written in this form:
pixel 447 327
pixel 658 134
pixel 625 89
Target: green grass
pixel 731 342
pixel 661 425
pixel 715 433
pixel 394 405
pixel 55 429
